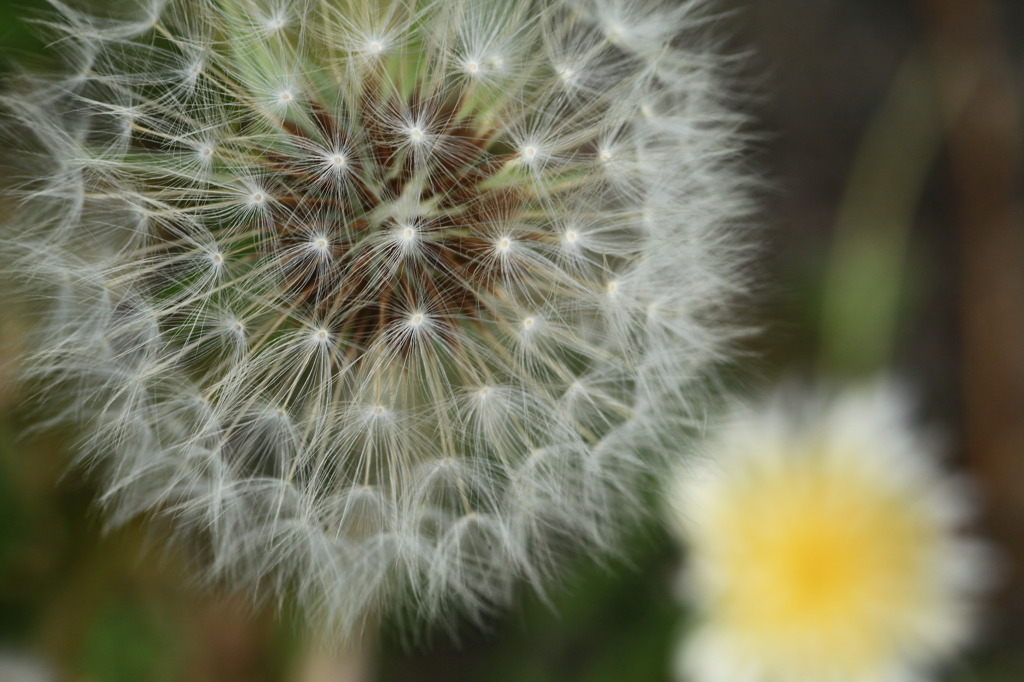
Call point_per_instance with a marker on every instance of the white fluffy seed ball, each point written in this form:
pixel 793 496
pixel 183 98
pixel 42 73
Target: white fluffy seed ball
pixel 429 358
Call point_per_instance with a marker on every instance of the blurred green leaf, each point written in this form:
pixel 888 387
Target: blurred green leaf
pixel 128 643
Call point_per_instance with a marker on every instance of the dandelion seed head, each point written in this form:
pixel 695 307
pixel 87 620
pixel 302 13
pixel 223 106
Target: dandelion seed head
pixel 383 250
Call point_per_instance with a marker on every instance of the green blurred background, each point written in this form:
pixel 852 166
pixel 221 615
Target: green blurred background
pixel 891 237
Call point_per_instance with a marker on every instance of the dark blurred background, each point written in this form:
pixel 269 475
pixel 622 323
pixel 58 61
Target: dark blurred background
pixel 891 239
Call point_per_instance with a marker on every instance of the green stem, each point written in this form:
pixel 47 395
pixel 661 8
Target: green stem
pixel 864 285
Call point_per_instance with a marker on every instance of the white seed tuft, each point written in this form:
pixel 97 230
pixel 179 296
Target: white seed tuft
pixel 276 23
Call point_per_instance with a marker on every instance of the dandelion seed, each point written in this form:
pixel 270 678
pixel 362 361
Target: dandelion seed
pixel 276 23
pixel 319 246
pixel 408 235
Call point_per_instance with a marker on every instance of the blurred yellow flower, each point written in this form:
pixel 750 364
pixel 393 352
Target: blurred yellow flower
pixel 824 547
